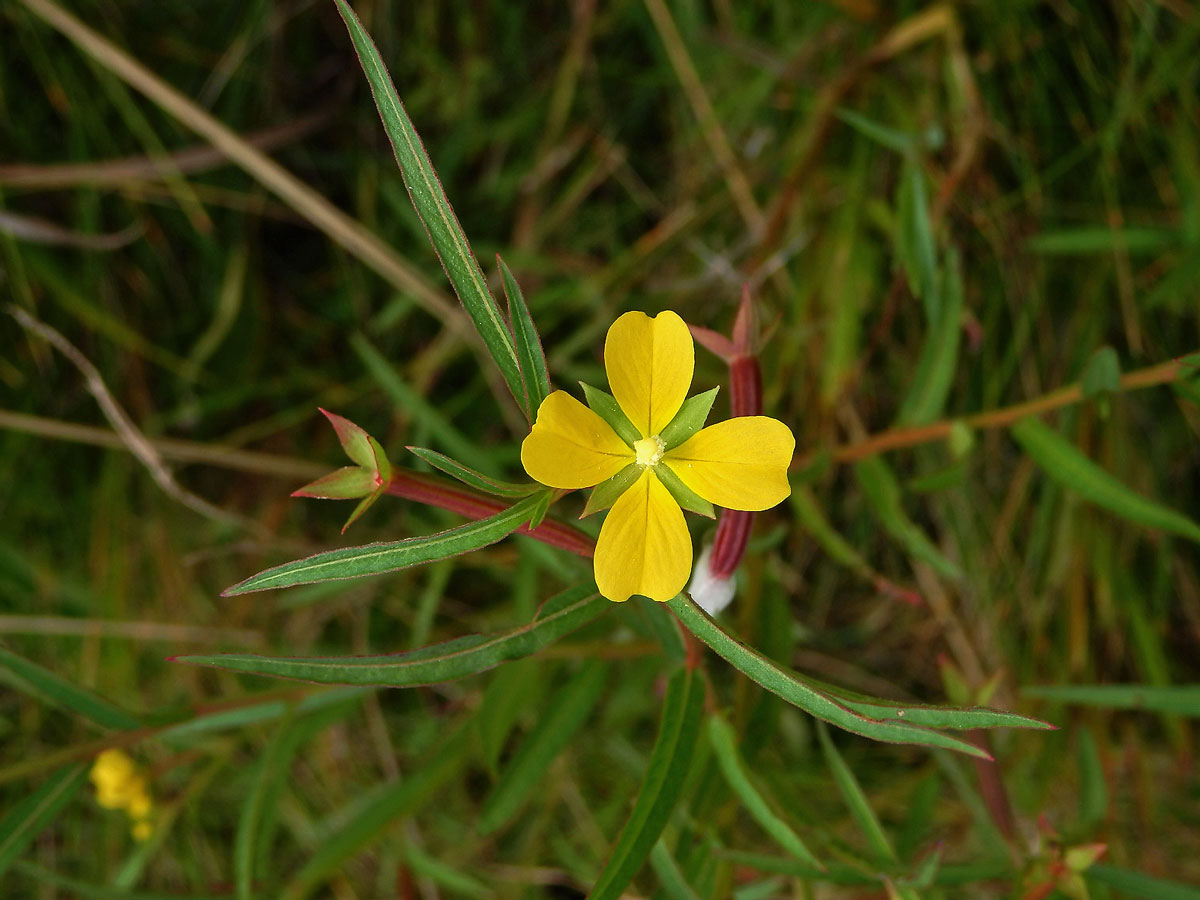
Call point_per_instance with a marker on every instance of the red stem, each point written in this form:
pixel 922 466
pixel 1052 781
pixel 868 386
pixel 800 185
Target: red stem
pixel 733 530
pixel 465 502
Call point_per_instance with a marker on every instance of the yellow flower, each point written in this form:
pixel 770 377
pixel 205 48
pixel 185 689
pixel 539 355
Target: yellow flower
pixel 644 546
pixel 119 785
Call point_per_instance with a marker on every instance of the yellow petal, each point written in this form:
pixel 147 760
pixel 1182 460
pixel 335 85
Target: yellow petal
pixel 739 464
pixel 649 363
pixel 572 447
pixel 644 546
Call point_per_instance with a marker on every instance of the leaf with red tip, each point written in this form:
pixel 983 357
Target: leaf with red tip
pixel 354 440
pixel 341 484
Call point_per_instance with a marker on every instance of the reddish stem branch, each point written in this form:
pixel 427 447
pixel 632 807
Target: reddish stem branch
pixel 465 502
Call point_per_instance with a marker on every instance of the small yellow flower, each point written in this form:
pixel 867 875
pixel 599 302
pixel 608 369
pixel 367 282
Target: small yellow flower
pixel 119 785
pixel 644 545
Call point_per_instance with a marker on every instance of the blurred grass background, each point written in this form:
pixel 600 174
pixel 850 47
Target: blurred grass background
pixel 621 155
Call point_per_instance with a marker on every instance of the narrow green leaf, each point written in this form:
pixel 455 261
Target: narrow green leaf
pixel 60 692
pixel 664 627
pixel 902 142
pixel 34 812
pixel 856 800
pixel 914 239
pixel 684 495
pixel 795 691
pixel 376 559
pixel 690 419
pixel 883 493
pixel 660 788
pixel 530 356
pixel 259 813
pixel 434 210
pixel 458 883
pixel 1063 462
pixel 458 658
pixel 724 742
pixel 1104 240
pixel 1177 699
pixel 605 494
pixel 543 498
pixel 397 799
pixel 673 883
pixel 512 690
pixel 568 712
pixel 1137 884
pixel 471 478
pixel 934 375
pixel 606 407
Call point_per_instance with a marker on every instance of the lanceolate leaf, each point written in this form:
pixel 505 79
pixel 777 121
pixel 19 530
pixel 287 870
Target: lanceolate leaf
pixel 375 559
pixel 661 787
pixel 528 345
pixel 434 209
pixel 458 658
pixel 1063 462
pixel 568 712
pixel 27 818
pixel 795 691
pixel 53 688
pixel 724 742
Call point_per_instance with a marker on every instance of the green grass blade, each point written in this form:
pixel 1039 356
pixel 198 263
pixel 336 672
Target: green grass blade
pixel 1063 462
pixel 471 478
pixel 260 813
pixel 56 690
pixel 447 661
pixel 926 397
pixel 434 210
pixel 914 240
pixel 883 493
pixel 397 799
pixel 816 703
pixel 724 743
pixel 26 820
pixel 660 788
pixel 1134 884
pixel 1176 699
pixel 568 712
pixel 856 800
pixel 670 876
pixel 377 559
pixel 528 345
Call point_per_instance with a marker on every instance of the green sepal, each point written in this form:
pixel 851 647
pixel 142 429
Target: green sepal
pixel 472 478
pixel 348 483
pixel 354 440
pixel 684 495
pixel 539 511
pixel 609 410
pixel 689 419
pixel 605 494
pixel 365 505
pixel 383 466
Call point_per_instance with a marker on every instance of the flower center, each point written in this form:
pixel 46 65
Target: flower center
pixel 649 450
